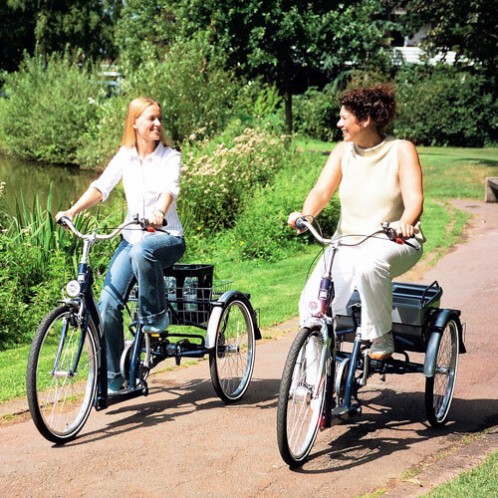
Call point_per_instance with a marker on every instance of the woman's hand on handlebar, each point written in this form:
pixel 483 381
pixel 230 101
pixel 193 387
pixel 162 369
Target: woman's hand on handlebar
pixel 403 230
pixel 64 214
pixel 157 219
pixel 291 221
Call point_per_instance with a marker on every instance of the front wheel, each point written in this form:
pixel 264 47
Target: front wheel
pixel 301 397
pixel 62 375
pixel 231 362
pixel 439 388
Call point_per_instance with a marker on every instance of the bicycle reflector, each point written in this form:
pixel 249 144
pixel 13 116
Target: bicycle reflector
pixel 73 288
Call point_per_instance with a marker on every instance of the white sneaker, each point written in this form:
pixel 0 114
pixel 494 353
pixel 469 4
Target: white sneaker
pixel 382 347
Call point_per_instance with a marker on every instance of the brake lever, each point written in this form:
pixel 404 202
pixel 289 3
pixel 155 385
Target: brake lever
pixel 146 227
pixel 392 235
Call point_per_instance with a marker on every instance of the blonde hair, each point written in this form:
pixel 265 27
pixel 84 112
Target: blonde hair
pixel 135 108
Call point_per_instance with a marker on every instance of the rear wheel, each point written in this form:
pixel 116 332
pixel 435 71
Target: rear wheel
pixel 62 375
pixel 231 362
pixel 301 396
pixel 439 388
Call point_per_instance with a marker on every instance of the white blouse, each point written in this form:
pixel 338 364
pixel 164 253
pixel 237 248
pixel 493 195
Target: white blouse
pixel 143 184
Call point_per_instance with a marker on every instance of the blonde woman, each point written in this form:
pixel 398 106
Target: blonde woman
pixel 150 172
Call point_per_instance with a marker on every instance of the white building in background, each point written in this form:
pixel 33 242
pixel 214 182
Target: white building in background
pixel 411 53
pixel 415 55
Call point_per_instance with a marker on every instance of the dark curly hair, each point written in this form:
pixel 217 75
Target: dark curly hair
pixel 378 102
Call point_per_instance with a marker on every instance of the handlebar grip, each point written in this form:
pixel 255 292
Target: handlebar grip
pixel 299 223
pixel 62 221
pixel 392 235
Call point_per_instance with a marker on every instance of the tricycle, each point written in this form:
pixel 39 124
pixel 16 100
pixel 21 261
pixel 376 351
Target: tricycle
pixel 67 369
pixel 328 361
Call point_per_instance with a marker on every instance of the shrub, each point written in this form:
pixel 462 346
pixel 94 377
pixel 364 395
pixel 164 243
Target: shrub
pixel 37 260
pixel 47 109
pixel 102 136
pixel 317 112
pixel 25 289
pixel 260 105
pixel 196 93
pixel 261 231
pixel 217 176
pixel 445 106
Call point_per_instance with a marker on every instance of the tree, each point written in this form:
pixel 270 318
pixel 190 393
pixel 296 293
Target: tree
pixel 55 25
pixel 145 28
pixel 467 27
pixel 288 43
pixel 16 36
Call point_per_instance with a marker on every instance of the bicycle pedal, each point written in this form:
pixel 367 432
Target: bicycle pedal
pixel 186 345
pixel 159 335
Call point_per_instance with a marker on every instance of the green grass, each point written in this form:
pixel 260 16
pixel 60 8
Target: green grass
pixel 457 173
pixel 476 483
pixel 313 145
pixel 13 373
pixel 275 287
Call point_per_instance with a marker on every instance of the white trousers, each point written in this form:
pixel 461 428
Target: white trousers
pixel 369 268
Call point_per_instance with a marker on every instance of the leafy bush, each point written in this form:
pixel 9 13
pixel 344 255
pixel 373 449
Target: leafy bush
pixel 260 105
pixel 37 260
pixel 219 175
pixel 102 136
pixel 25 289
pixel 261 230
pixel 196 93
pixel 30 259
pixel 317 112
pixel 47 109
pixel 444 106
pixel 436 106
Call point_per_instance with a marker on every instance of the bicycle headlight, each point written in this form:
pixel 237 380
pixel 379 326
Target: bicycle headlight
pixel 73 288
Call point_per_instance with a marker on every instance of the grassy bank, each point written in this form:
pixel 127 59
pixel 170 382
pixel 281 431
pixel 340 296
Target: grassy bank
pixel 475 483
pixel 275 286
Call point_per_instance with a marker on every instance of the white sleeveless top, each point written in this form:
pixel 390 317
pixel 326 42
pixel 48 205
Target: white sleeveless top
pixel 370 191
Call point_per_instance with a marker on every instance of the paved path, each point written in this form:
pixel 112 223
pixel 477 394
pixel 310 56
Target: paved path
pixel 181 441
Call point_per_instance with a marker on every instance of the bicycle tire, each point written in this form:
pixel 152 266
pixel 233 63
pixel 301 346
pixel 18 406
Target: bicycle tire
pixel 60 396
pixel 439 388
pixel 301 397
pixel 231 361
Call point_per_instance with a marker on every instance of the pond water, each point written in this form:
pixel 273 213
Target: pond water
pixel 31 179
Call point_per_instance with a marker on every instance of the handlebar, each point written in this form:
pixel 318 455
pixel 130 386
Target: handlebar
pixel 303 223
pixel 142 222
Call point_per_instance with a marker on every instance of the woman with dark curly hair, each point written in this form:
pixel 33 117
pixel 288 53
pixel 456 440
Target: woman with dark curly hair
pixel 379 179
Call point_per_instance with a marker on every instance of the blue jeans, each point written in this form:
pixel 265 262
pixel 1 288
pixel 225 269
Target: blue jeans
pixel 143 263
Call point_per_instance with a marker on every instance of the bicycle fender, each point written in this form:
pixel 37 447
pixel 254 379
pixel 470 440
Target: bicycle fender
pixel 218 307
pixel 435 338
pixel 431 352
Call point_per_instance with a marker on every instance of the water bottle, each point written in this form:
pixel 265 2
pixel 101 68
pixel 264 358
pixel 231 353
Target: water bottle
pixel 170 284
pixel 190 293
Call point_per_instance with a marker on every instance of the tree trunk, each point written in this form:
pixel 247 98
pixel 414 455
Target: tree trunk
pixel 288 111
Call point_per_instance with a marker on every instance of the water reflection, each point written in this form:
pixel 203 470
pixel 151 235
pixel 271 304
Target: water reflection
pixel 34 179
